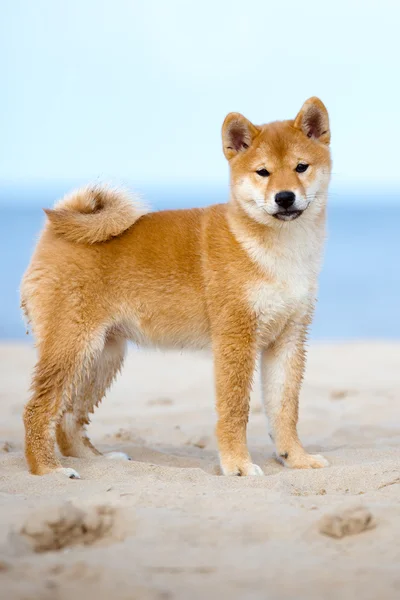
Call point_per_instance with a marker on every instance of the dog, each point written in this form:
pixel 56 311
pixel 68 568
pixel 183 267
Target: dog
pixel 239 277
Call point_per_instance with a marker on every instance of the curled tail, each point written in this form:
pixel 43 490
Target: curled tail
pixel 94 214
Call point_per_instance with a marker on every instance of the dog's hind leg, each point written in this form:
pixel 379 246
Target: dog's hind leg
pixel 71 430
pixel 63 363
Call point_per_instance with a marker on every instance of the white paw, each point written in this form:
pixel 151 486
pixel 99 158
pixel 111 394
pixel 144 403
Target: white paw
pixel 321 459
pixel 255 470
pixel 247 470
pixel 70 473
pixel 117 456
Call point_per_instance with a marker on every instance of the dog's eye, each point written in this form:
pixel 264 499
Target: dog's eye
pixel 263 173
pixel 301 167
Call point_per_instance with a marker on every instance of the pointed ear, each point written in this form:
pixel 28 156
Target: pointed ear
pixel 237 134
pixel 313 120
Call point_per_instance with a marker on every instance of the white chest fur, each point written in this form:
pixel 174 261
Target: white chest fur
pixel 287 283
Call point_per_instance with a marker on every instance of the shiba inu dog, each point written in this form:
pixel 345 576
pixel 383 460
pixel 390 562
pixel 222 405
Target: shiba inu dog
pixel 239 277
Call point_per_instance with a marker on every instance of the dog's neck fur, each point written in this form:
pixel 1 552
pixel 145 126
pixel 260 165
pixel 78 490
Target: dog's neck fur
pixel 271 246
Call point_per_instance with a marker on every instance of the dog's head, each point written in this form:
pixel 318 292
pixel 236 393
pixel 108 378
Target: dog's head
pixel 282 169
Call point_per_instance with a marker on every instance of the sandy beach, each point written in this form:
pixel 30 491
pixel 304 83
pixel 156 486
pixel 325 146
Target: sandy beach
pixel 167 525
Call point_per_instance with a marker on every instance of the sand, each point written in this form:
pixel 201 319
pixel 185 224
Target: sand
pixel 167 525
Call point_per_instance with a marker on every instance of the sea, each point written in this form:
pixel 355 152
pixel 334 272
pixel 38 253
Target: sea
pixel 359 292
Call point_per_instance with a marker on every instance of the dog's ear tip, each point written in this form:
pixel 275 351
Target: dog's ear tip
pixel 315 100
pixel 233 116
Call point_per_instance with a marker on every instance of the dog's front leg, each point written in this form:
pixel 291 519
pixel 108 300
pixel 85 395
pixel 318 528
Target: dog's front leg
pixel 234 360
pixel 282 369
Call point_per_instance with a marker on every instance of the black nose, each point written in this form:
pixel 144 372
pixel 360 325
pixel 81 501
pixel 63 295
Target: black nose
pixel 285 199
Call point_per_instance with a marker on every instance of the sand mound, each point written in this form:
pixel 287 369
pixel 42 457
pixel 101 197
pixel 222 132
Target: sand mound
pixel 66 525
pixel 347 522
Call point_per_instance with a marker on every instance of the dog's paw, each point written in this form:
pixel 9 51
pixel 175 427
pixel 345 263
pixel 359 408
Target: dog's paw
pixel 303 461
pixel 246 470
pixel 117 456
pixel 254 471
pixel 70 473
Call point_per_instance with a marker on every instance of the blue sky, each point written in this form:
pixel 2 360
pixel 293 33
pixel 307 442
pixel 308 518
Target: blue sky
pixel 138 90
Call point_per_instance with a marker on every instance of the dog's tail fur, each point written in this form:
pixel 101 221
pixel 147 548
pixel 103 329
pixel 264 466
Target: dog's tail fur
pixel 94 214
